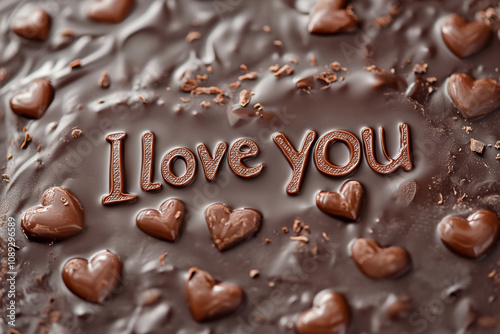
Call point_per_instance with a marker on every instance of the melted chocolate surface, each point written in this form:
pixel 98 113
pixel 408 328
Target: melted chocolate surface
pixel 161 42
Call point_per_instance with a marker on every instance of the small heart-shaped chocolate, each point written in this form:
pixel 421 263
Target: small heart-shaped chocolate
pixel 59 217
pixel 347 204
pixel 165 224
pixel 377 262
pixel 472 237
pixel 109 11
pixel 331 16
pixel 464 38
pixel 35 26
pixel 208 299
pixel 330 315
pixel 35 101
pixel 228 228
pixel 474 98
pixel 93 280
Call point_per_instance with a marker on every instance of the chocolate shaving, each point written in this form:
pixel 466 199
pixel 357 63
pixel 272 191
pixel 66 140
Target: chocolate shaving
pixel 245 96
pixel 207 90
pixel 248 76
pixel 75 64
pixel 284 71
pixel 76 133
pixel 274 68
pixel 189 85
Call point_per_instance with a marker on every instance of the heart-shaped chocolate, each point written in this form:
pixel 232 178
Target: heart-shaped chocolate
pixel 474 98
pixel 109 11
pixel 228 228
pixel 464 38
pixel 59 217
pixel 208 299
pixel 472 237
pixel 35 101
pixel 35 26
pixel 93 280
pixel 377 262
pixel 329 314
pixel 331 16
pixel 347 204
pixel 165 224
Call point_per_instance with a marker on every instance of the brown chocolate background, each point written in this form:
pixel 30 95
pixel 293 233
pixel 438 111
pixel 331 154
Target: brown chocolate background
pixel 146 53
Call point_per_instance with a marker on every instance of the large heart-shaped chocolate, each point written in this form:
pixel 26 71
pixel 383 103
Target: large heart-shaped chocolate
pixel 209 299
pixel 165 224
pixel 472 237
pixel 228 228
pixel 347 204
pixel 34 101
pixel 59 217
pixel 331 16
pixel 93 280
pixel 464 38
pixel 474 98
pixel 110 11
pixel 377 262
pixel 35 26
pixel 329 314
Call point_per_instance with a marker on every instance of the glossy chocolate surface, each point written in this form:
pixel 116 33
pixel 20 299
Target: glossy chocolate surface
pixel 148 56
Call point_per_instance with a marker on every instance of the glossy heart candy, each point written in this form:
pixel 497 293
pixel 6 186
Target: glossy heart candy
pixel 59 217
pixel 109 11
pixel 208 299
pixel 329 315
pixel 379 263
pixel 347 204
pixel 165 224
pixel 331 16
pixel 34 102
pixel 472 237
pixel 474 98
pixel 35 26
pixel 464 38
pixel 93 280
pixel 228 228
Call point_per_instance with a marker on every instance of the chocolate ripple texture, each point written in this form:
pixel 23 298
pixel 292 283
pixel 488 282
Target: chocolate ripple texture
pixel 241 167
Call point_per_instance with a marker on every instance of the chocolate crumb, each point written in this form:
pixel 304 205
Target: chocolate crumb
pixel 235 85
pixel 274 68
pixel 104 80
pixel 325 236
pixel 420 68
pixel 202 78
pixel 192 36
pixel 244 68
pixel 477 146
pixel 313 61
pixel 284 229
pixel 284 71
pixel 5 177
pixel 205 104
pixel 277 43
pixel 76 133
pixel 297 226
pixel 75 64
pixel 184 100
pixel 267 29
pixel 497 145
pixel 143 99
pixel 300 238
pixel 27 139
pixel 254 273
pixel 207 90
pixel 248 76
pixel 267 241
pixel 245 96
pixel 162 258
pixel 258 106
pixel 189 85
